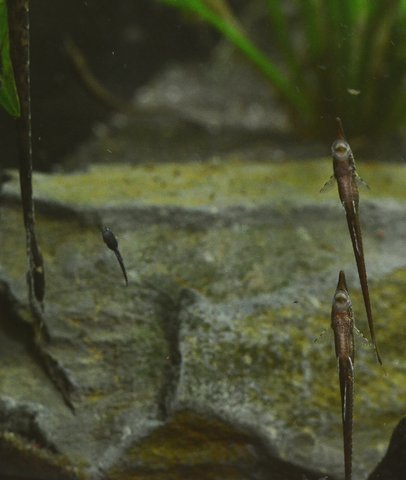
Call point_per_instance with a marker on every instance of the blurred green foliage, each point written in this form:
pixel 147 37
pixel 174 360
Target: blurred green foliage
pixel 8 91
pixel 342 58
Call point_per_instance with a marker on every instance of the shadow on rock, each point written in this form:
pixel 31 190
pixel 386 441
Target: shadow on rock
pixel 393 464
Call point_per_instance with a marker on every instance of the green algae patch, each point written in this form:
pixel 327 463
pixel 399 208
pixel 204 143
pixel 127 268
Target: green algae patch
pixel 261 293
pixel 216 184
pixel 267 364
pixel 249 359
pixel 109 338
pixel 235 262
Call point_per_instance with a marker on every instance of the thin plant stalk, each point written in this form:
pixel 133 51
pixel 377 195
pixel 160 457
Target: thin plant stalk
pixel 20 54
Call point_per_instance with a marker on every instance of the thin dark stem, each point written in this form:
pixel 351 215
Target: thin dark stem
pixel 20 55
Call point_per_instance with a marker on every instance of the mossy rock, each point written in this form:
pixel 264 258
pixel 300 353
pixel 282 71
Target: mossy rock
pixel 232 268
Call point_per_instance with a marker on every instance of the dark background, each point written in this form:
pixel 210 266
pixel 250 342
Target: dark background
pixel 125 44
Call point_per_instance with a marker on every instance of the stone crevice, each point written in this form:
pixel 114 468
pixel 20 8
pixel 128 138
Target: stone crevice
pixel 14 325
pixel 168 299
pixel 21 419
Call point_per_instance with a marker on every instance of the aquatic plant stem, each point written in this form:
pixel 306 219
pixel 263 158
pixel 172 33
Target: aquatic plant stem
pixel 20 55
pixel 8 91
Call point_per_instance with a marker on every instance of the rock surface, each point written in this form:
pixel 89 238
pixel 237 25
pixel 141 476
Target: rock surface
pixel 393 465
pixel 205 367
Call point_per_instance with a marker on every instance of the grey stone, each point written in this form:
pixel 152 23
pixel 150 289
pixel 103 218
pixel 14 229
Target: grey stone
pixel 215 332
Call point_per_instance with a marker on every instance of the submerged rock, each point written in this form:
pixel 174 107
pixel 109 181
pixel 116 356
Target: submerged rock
pixel 393 464
pixel 205 366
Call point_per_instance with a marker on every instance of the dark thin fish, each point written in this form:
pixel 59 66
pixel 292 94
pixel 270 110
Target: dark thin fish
pixel 348 180
pixel 342 323
pixel 111 241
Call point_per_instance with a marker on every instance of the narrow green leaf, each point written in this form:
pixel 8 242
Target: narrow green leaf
pixel 345 57
pixel 317 41
pixel 8 90
pixel 283 36
pixel 294 98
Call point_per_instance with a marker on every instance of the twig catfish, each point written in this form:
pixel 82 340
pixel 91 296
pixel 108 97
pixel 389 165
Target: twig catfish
pixel 342 323
pixel 347 180
pixel 111 241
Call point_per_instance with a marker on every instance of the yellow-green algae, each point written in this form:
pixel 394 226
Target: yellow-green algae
pixel 83 289
pixel 211 256
pixel 218 184
pixel 203 447
pixel 222 263
pixel 297 377
pixel 37 460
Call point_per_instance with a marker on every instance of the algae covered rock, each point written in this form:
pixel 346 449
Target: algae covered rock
pixel 205 366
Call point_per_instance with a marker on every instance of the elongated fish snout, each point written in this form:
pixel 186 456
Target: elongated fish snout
pixel 340 129
pixel 342 284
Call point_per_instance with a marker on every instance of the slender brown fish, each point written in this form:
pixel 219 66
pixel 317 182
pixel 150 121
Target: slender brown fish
pixel 342 323
pixel 348 180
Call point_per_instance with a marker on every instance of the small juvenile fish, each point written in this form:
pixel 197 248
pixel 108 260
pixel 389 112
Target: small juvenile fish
pixel 342 323
pixel 347 181
pixel 111 241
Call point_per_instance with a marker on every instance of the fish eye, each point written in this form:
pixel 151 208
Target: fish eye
pixel 341 298
pixel 340 148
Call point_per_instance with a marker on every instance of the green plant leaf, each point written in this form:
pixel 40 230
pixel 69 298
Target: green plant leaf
pixel 8 91
pixel 283 85
pixel 334 58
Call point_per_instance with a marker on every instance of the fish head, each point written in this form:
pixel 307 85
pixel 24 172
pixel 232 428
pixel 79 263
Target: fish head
pixel 341 301
pixel 340 149
pixel 343 160
pixel 109 238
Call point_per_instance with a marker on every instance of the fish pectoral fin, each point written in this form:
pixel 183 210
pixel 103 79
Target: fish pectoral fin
pixel 361 182
pixel 330 182
pixel 321 334
pixel 363 337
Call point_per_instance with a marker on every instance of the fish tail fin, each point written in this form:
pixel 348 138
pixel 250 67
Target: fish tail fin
pixel 121 262
pixel 346 374
pixel 356 240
